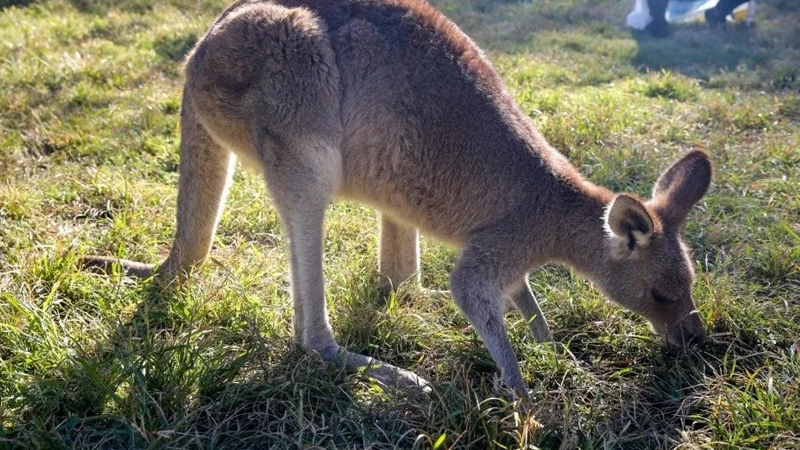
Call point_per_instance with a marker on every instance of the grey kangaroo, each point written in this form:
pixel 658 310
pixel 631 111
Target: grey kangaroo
pixel 388 103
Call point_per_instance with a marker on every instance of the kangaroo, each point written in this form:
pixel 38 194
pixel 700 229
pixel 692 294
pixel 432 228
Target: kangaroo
pixel 388 103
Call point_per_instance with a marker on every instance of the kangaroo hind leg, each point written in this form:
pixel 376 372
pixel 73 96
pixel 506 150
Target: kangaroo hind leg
pixel 205 174
pixel 291 106
pixel 301 195
pixel 398 253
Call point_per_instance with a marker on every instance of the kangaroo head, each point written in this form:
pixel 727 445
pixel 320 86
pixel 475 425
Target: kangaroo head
pixel 648 267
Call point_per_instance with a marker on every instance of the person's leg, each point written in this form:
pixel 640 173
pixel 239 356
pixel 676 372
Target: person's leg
pixel 658 27
pixel 725 7
pixel 716 15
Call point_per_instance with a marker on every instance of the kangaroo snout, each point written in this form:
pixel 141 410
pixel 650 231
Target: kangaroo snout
pixel 686 332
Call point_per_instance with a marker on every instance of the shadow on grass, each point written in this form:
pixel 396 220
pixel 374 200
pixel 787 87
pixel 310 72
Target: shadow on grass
pixel 159 382
pixel 695 50
pixel 8 3
pixel 641 394
pixel 759 57
pixel 668 398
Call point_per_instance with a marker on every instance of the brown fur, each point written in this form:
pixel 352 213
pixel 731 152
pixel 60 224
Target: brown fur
pixel 389 103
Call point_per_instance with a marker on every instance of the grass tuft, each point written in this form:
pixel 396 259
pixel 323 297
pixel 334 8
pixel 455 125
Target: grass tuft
pixel 669 86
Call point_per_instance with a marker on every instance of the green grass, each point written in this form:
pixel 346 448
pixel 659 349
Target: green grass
pixel 89 101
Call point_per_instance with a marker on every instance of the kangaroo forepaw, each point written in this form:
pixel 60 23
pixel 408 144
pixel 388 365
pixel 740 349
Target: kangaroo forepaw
pixel 541 331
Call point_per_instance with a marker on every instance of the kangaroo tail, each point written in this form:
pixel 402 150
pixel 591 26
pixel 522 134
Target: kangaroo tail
pixel 103 264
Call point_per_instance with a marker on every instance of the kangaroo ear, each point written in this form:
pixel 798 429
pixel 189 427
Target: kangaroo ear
pixel 681 186
pixel 628 221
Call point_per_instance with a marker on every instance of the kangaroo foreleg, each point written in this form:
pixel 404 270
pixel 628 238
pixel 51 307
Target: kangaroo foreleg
pixel 479 295
pixel 526 302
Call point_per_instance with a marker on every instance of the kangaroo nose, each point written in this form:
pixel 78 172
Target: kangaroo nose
pixel 686 334
pixel 679 340
pixel 697 339
pixel 682 338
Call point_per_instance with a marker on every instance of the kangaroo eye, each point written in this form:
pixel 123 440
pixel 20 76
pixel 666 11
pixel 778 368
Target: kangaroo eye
pixel 659 298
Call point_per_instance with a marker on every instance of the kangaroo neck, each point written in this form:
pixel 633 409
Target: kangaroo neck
pixel 576 225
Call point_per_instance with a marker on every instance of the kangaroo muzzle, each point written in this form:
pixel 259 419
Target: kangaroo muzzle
pixel 686 332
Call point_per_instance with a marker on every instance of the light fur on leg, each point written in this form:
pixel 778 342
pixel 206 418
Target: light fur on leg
pixel 398 253
pixel 205 174
pixel 304 226
pixel 526 302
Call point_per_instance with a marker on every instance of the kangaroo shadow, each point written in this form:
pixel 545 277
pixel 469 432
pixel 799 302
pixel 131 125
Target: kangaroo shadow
pixel 675 400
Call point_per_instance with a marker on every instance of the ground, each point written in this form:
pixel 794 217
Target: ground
pixel 89 102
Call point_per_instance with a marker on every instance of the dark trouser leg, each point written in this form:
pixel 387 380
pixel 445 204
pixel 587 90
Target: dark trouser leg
pixel 716 15
pixel 658 27
pixel 725 7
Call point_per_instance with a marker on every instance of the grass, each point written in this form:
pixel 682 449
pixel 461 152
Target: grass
pixel 89 101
